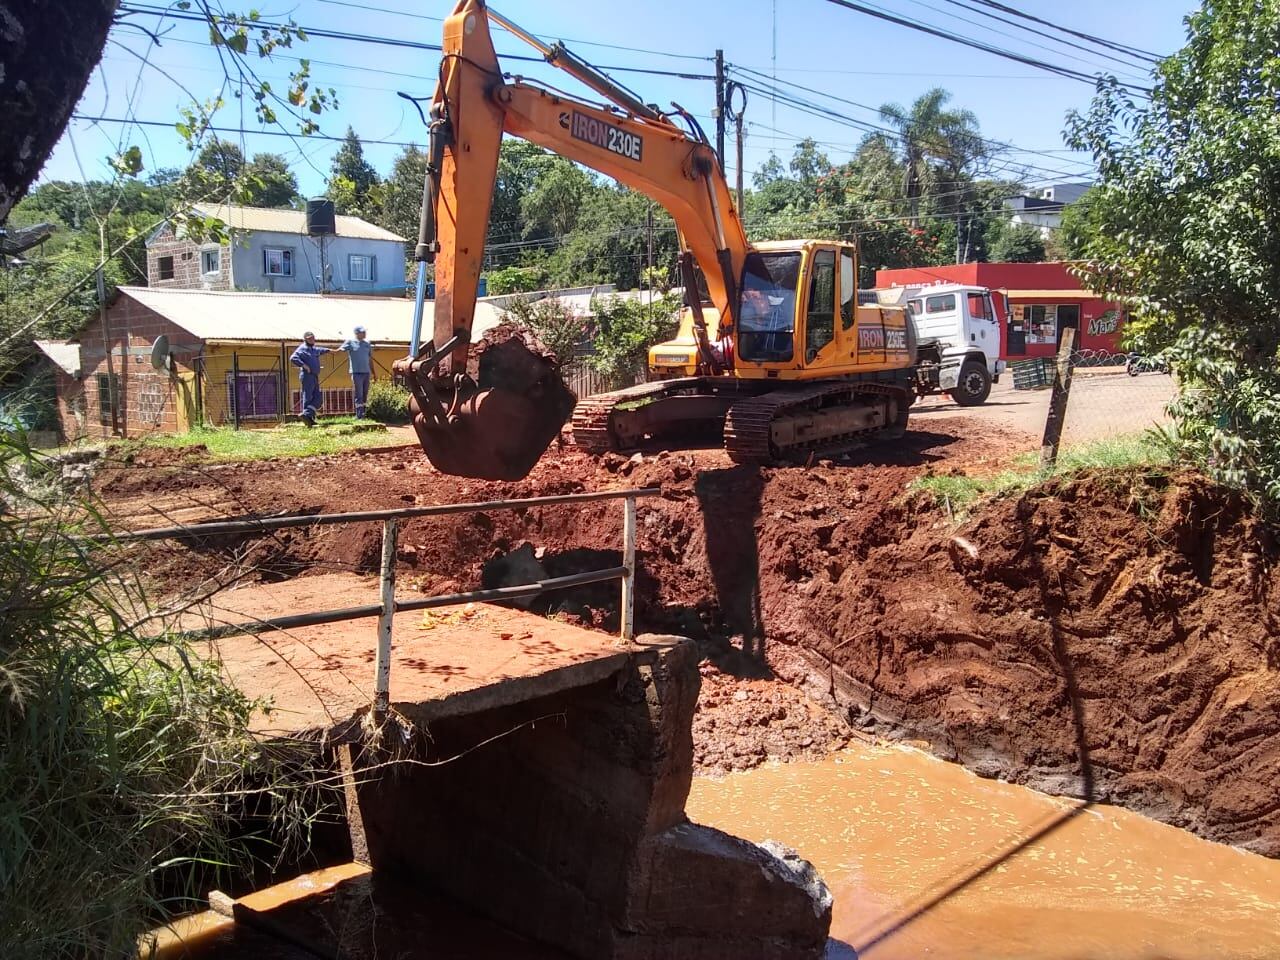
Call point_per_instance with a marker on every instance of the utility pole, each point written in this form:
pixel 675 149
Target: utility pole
pixel 736 115
pixel 720 107
pixel 112 388
pixel 649 272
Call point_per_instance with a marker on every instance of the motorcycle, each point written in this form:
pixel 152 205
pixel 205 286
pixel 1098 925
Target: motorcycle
pixel 1136 364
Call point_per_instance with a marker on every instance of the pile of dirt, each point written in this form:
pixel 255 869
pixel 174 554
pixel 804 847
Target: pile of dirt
pixel 1111 636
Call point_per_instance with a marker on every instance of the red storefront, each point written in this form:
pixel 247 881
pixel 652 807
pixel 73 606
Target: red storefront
pixel 1036 302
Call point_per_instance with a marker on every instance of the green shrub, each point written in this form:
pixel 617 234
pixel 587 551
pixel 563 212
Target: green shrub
pixel 625 330
pixel 387 402
pixel 124 758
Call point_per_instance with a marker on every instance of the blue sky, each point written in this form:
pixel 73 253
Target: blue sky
pixel 819 45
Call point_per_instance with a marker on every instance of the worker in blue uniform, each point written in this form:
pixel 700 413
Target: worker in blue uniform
pixel 360 360
pixel 307 359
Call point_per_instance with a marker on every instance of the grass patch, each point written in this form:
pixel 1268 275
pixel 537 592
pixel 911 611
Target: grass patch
pixel 291 440
pixel 958 493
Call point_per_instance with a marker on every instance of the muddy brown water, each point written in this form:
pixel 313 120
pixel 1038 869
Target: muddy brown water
pixel 924 859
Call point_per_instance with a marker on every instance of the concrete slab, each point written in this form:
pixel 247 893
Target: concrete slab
pixel 445 663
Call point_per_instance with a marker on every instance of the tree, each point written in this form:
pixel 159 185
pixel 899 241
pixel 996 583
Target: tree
pixel 402 194
pixel 49 51
pixel 1185 229
pixel 355 193
pixel 625 330
pixel 933 140
pixel 1015 243
pixel 270 181
pixel 216 174
pixel 553 204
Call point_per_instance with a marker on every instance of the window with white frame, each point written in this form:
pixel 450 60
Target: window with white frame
pixel 277 262
pixel 210 260
pixel 360 267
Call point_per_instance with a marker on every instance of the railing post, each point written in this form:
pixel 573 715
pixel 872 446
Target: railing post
pixel 628 609
pixel 382 664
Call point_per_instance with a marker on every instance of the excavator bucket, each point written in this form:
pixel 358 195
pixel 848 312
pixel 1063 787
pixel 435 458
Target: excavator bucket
pixel 495 421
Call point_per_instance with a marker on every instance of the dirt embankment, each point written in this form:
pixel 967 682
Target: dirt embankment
pixel 1112 636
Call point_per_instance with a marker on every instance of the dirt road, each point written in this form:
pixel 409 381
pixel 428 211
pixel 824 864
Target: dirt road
pixel 1102 405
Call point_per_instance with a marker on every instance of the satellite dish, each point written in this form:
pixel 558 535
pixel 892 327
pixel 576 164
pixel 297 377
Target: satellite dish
pixel 160 353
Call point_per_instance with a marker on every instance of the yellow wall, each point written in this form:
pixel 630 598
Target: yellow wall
pixel 266 357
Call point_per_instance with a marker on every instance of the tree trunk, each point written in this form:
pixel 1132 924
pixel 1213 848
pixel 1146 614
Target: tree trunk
pixel 48 49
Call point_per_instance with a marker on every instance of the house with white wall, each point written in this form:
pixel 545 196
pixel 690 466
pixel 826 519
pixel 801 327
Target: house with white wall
pixel 271 250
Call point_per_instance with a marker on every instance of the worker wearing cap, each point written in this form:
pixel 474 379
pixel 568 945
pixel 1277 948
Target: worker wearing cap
pixel 360 358
pixel 307 359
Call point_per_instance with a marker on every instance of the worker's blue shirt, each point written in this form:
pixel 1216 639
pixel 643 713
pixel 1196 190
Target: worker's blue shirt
pixel 359 355
pixel 307 359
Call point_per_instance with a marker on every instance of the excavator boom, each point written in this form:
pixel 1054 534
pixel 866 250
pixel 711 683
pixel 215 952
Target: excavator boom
pixel 492 412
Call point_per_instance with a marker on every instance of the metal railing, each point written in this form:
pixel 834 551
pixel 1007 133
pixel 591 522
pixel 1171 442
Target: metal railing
pixel 388 606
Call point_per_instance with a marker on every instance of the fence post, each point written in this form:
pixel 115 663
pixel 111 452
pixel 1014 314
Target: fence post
pixel 1057 418
pixel 235 387
pixel 283 402
pixel 199 369
pixel 628 608
pixel 382 664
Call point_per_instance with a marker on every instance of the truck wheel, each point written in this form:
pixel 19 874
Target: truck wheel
pixel 973 386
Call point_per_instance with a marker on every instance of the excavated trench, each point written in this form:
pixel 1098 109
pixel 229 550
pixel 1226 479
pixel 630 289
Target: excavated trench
pixel 1112 636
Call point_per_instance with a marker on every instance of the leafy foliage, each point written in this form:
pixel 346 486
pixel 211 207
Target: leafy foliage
pixel 124 758
pixel 1185 228
pixel 387 403
pixel 354 185
pixel 625 330
pixel 559 328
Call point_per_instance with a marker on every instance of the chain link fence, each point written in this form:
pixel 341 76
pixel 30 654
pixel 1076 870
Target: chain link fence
pixel 1112 396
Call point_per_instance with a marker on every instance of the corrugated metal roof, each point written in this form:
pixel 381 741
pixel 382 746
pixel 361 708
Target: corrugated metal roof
pixel 288 221
pixel 66 354
pixel 216 315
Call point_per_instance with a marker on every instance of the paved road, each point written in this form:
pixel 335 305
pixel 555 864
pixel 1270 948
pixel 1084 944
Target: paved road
pixel 1103 404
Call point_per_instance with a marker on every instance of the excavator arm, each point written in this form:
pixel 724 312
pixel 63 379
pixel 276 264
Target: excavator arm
pixel 497 423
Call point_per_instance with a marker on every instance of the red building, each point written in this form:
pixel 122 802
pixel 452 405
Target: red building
pixel 1036 301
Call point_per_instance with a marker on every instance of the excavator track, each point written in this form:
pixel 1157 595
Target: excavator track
pixel 590 420
pixel 749 425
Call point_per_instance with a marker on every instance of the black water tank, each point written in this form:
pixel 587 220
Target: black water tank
pixel 320 217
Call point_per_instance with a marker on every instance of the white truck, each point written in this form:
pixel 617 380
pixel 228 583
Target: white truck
pixel 957 339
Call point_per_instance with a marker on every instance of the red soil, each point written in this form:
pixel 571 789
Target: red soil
pixel 1111 635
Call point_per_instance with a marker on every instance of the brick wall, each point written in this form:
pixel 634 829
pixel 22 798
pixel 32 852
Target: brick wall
pixel 149 399
pixel 187 273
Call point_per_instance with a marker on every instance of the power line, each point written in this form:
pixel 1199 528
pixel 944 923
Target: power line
pixel 1122 47
pixel 977 44
pixel 399 42
pixel 543 36
pixel 826 113
pixel 1127 62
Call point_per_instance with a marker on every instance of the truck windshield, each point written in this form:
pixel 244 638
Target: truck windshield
pixel 767 319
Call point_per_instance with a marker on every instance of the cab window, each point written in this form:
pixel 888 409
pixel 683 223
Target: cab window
pixel 943 304
pixel 917 307
pixel 848 290
pixel 820 323
pixel 978 307
pixel 766 323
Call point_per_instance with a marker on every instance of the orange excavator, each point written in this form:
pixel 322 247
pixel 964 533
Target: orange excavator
pixel 778 350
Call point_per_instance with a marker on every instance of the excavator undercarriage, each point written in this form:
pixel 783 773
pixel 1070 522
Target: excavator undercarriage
pixel 760 421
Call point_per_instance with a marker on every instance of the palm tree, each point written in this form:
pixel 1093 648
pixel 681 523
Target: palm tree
pixel 932 140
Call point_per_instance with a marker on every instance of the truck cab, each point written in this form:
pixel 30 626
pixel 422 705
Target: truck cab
pixel 958 340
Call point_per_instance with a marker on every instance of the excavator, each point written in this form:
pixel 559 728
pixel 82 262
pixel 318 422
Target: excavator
pixel 777 348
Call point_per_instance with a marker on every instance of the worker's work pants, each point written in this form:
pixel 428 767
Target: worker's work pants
pixel 360 392
pixel 310 396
